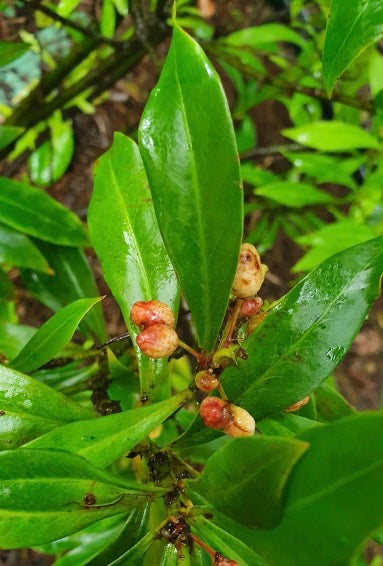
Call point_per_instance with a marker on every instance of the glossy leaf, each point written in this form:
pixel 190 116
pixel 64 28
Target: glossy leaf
pixel 52 336
pixel 169 555
pixel 332 136
pixel 72 279
pixel 9 133
pixel 306 335
pixel 13 338
pixel 74 542
pixel 104 440
pixel 229 546
pixel 128 242
pixel 29 408
pixel 43 496
pixel 136 553
pixel 189 150
pixel 341 505
pixel 132 531
pixel 35 213
pixel 251 474
pixel 294 195
pixel 18 250
pixel 352 26
pixel 9 51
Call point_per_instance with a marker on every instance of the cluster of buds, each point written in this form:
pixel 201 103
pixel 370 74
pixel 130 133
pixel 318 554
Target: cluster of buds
pixel 157 337
pixel 219 414
pixel 249 276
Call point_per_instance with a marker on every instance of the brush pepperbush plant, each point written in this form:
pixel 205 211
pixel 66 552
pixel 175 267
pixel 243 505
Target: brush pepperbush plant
pixel 228 445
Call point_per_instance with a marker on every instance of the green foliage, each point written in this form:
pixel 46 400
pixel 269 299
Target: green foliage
pixel 108 456
pixel 188 179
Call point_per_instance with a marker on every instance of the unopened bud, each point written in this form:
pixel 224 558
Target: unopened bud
pixel 241 423
pixel 298 405
pixel 157 341
pixel 215 412
pixel 148 313
pixel 250 273
pixel 206 381
pixel 250 307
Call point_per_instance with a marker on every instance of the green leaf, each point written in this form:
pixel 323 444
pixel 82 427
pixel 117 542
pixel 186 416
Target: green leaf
pixel 52 336
pixel 135 554
pixel 35 213
pixel 169 555
pixel 326 168
pixel 104 440
pixel 352 26
pixel 108 18
pixel 51 159
pixel 128 243
pixel 9 51
pixel 330 404
pixel 246 135
pixel 8 133
pixel 264 36
pixel 18 250
pixel 332 136
pixel 294 195
pixel 222 541
pixel 330 239
pixel 334 496
pixel 13 338
pixel 305 336
pixel 72 279
pixel 130 534
pixel 83 545
pixel 43 496
pixel 189 150
pixel 29 408
pixel 251 474
pixel 285 424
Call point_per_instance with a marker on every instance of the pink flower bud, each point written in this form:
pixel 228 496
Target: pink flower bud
pixel 215 412
pixel 250 307
pixel 148 313
pixel 206 381
pixel 250 273
pixel 241 423
pixel 157 341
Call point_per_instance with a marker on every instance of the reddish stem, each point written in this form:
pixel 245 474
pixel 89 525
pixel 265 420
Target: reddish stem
pixel 204 546
pixel 233 322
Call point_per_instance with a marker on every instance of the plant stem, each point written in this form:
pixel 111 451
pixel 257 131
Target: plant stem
pixel 199 357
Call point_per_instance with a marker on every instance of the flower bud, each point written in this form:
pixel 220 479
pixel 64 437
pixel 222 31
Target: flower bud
pixel 215 412
pixel 250 273
pixel 250 307
pixel 206 381
pixel 241 423
pixel 148 313
pixel 157 341
pixel 298 405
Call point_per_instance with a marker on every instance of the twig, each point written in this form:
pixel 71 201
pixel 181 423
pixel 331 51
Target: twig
pixel 87 32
